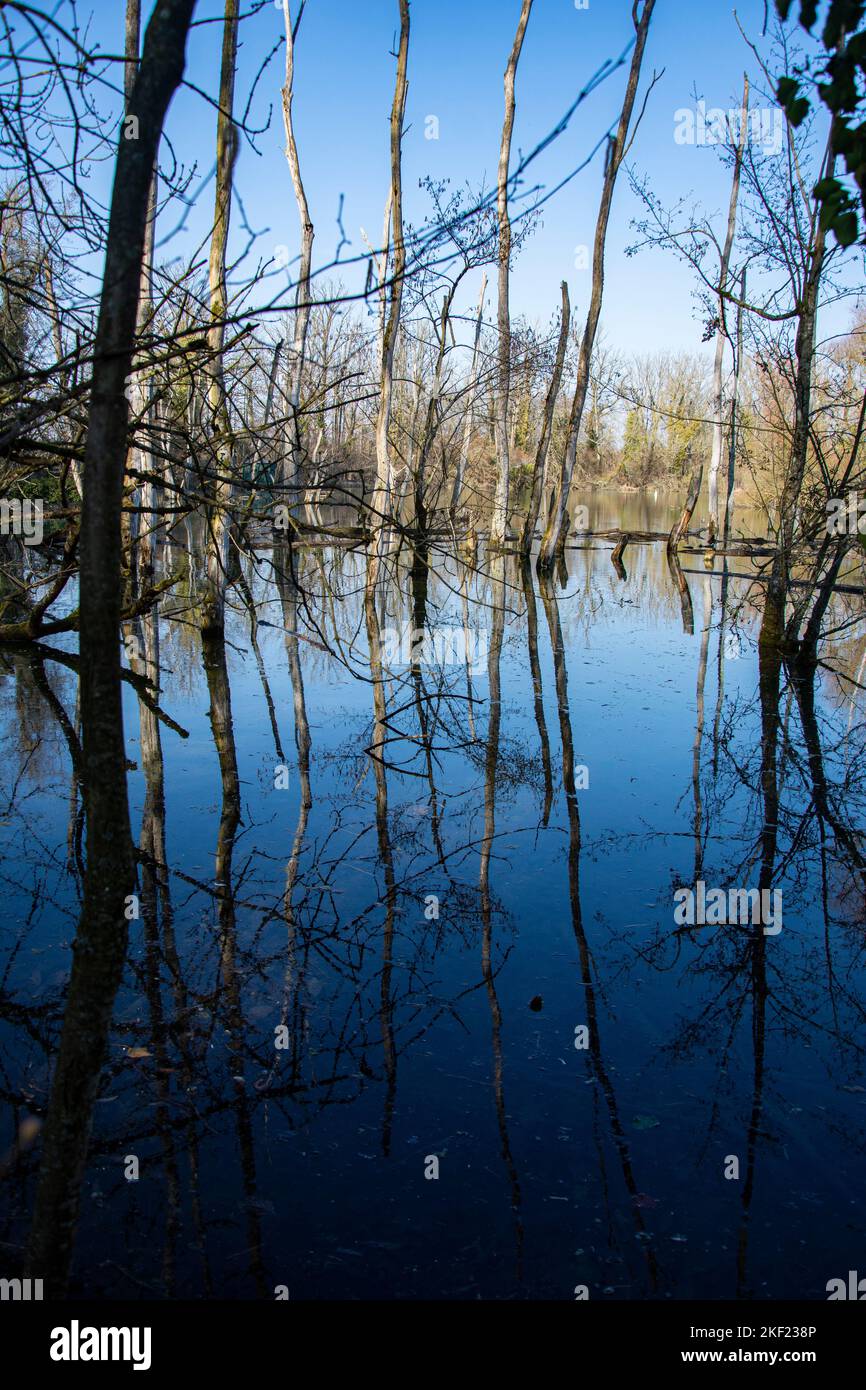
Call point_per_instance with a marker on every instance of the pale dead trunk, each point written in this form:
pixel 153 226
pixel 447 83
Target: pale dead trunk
pixel 53 312
pixel 394 215
pixel 57 340
pixel 381 263
pixel 143 525
pixel 415 391
pixel 680 528
pixel 715 515
pixel 539 474
pixel 219 520
pixel 272 383
pixel 735 392
pixel 431 419
pixel 463 456
pixel 132 48
pixel 499 520
pixel 303 307
pixel 557 523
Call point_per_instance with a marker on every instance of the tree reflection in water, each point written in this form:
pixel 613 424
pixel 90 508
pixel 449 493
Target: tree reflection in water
pixel 304 914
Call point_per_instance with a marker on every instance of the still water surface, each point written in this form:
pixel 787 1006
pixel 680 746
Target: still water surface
pixel 428 891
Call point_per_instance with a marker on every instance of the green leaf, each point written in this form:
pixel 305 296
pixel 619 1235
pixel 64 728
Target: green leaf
pixel 845 228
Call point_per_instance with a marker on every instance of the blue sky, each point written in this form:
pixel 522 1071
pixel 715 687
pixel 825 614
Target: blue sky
pixel 344 86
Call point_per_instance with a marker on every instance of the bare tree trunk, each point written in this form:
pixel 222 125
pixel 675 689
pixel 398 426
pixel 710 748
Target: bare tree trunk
pixel 499 521
pixel 557 522
pixel 680 528
pixel 132 44
pixel 735 395
pixel 303 306
pixel 132 51
pixel 805 354
pixel 394 214
pixel 539 472
pixel 144 525
pixel 272 382
pixel 219 520
pixel 431 417
pixel 102 931
pixel 715 516
pixel 57 340
pixel 417 373
pixel 470 405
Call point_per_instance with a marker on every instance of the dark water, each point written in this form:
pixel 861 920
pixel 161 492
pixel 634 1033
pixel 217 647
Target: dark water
pixel 546 805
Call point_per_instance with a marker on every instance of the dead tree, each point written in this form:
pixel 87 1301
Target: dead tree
pixel 539 473
pixel 732 435
pixel 499 521
pixel 291 476
pixel 140 545
pixel 722 335
pixel 680 528
pixel 463 456
pixel 219 520
pixel 618 146
pixel 394 214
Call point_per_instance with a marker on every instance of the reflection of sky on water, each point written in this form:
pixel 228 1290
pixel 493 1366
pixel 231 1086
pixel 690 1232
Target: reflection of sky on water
pixel 305 1166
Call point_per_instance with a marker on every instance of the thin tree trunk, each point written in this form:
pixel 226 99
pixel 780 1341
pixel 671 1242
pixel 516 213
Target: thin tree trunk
pixel 499 521
pixel 715 516
pixel 132 52
pixel 394 214
pixel 145 522
pixel 539 473
pixel 219 521
pixel 557 523
pixel 57 340
pixel 417 375
pixel 735 395
pixel 463 457
pixel 303 306
pixel 805 355
pixel 826 585
pixel 272 382
pixel 431 418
